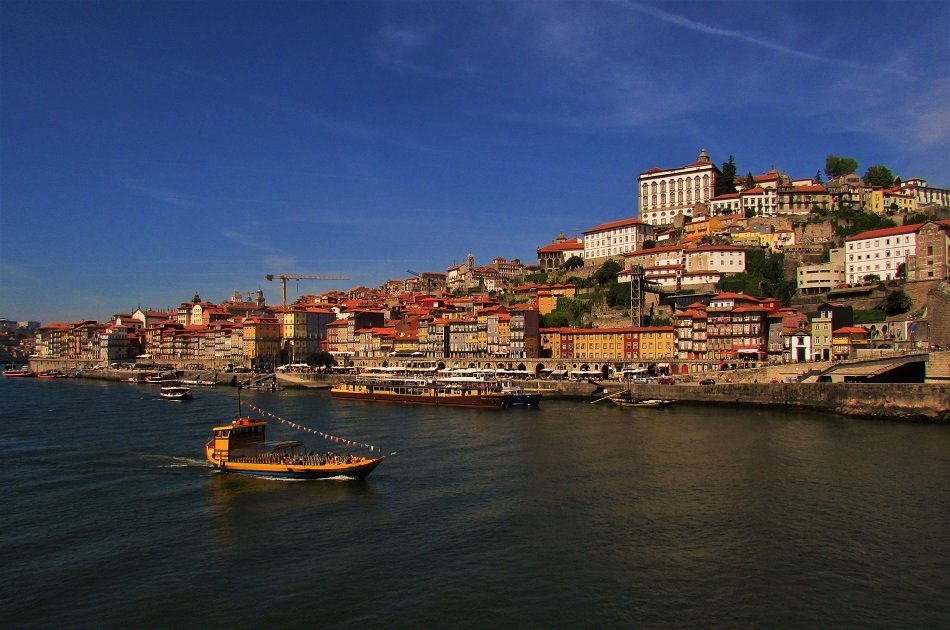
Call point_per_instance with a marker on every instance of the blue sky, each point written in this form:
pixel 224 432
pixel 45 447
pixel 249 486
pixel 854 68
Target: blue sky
pixel 151 150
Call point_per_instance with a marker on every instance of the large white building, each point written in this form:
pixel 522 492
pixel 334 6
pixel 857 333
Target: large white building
pixel 666 193
pixel 615 238
pixel 879 252
pixel 925 194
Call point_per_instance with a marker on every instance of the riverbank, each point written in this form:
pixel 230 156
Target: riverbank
pixel 904 402
pixel 908 402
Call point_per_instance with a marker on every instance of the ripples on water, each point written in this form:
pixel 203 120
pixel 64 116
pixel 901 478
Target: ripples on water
pixel 572 514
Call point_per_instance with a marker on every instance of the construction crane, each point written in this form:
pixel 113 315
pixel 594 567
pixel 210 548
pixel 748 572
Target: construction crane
pixel 285 277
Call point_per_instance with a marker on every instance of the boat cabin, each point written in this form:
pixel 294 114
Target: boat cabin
pixel 243 440
pixel 244 434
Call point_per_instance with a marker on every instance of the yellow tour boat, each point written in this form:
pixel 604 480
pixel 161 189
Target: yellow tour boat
pixel 240 447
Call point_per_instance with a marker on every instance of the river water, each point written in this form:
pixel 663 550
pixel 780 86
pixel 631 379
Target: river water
pixel 574 514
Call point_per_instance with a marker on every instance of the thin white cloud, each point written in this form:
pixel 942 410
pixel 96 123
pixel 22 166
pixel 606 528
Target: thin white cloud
pixel 699 27
pixel 251 242
pixel 166 195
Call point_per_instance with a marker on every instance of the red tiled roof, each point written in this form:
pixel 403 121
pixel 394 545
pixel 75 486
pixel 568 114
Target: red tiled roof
pixel 561 247
pixel 892 231
pixel 614 224
pixel 655 250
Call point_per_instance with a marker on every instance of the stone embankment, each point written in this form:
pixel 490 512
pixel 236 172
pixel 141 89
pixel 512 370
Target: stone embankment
pixel 909 402
pixel 912 402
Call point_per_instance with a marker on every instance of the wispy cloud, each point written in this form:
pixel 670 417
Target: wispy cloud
pixel 766 44
pixel 10 271
pixel 399 48
pixel 166 195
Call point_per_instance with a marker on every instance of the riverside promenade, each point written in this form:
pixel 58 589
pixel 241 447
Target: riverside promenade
pixel 909 402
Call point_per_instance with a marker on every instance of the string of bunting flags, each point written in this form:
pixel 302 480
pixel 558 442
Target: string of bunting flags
pixel 325 436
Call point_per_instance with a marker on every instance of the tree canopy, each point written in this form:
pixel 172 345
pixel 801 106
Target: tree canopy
pixel 607 272
pixel 725 183
pixel 320 359
pixel 837 165
pixel 896 302
pixel 764 277
pixel 879 175
pixel 572 263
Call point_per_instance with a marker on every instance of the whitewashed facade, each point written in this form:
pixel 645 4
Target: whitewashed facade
pixel 667 193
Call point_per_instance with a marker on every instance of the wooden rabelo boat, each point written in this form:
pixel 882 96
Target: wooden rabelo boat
pixel 240 447
pixel 450 391
pixel 175 392
pixel 627 399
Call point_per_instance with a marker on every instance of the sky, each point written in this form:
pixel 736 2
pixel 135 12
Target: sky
pixel 153 150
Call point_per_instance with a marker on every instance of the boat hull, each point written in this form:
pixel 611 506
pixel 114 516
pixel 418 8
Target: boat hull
pixel 525 400
pixel 482 401
pixel 20 374
pixel 642 403
pixel 300 471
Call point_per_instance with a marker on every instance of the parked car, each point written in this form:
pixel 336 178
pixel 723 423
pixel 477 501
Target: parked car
pixel 667 380
pixel 707 381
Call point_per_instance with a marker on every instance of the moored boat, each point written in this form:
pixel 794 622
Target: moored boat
pixel 519 397
pixel 160 378
pixel 175 392
pixel 453 391
pixel 200 382
pixel 626 399
pixel 51 374
pixel 240 447
pixel 24 372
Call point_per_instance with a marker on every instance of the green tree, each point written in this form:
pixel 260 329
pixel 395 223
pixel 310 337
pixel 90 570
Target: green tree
pixel 607 272
pixel 897 302
pixel 619 295
pixel 320 359
pixel 836 165
pixel 853 221
pixel 726 183
pixel 649 244
pixel 572 263
pixel 818 179
pixel 568 312
pixel 879 175
pixel 749 181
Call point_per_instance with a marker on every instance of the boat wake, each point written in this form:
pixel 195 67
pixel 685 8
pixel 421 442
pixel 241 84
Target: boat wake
pixel 174 461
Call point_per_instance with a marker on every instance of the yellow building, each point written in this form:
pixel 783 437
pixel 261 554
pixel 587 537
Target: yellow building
pixel 262 341
pixel 548 295
pixel 656 342
pixel 609 344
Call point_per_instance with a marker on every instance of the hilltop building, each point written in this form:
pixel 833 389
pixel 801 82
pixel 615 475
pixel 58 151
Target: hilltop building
pixel 668 193
pixel 552 256
pixel 615 239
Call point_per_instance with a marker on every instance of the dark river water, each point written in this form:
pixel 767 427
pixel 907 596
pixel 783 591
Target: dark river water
pixel 571 515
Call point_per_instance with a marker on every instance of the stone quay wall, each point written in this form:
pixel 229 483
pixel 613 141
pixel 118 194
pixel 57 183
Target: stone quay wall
pixel 911 402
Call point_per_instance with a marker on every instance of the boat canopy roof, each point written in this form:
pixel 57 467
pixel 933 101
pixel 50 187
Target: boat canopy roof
pixel 270 447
